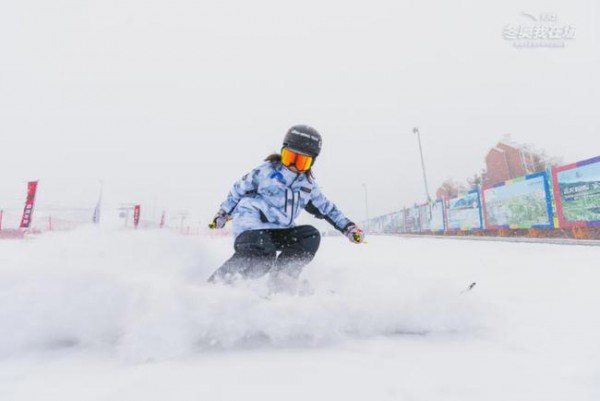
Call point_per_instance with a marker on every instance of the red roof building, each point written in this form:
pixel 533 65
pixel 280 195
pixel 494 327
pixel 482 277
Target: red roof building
pixel 508 160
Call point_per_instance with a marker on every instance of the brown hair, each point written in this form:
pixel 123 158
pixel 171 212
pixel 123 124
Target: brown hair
pixel 276 158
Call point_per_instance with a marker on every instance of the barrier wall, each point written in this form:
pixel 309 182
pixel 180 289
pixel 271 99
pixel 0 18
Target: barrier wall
pixel 411 220
pixel 564 197
pixel 438 216
pixel 522 203
pixel 464 213
pixel 394 222
pixel 577 193
pixel 424 217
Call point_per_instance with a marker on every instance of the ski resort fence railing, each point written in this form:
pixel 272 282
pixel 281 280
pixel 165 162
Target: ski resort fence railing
pixel 559 202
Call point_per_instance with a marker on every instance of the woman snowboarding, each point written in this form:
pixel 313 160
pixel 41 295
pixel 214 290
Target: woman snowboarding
pixel 264 205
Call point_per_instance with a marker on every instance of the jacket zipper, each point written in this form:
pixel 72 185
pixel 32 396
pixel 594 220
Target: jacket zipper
pixel 298 204
pixel 293 197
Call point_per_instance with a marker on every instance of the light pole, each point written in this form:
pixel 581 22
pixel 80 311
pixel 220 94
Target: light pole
pixel 97 210
pixel 416 131
pixel 366 207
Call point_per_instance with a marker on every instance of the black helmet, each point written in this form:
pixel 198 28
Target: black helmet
pixel 303 139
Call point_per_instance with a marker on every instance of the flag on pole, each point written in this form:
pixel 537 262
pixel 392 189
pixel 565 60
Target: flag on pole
pixel 96 217
pixel 29 204
pixel 162 220
pixel 136 215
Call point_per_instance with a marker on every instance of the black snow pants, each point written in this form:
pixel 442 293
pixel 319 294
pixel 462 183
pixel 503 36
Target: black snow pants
pixel 256 253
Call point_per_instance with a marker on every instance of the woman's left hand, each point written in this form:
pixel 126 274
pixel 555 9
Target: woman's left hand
pixel 355 234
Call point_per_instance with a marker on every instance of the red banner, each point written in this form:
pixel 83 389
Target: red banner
pixel 29 203
pixel 136 215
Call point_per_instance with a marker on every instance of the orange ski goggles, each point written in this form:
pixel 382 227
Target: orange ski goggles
pixel 300 161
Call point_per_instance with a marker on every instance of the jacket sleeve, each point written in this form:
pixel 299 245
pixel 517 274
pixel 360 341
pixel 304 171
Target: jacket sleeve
pixel 322 208
pixel 247 185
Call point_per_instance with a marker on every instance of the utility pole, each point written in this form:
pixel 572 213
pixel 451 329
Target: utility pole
pixel 416 131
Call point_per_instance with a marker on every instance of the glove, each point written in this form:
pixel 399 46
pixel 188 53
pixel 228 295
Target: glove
pixel 221 218
pixel 354 234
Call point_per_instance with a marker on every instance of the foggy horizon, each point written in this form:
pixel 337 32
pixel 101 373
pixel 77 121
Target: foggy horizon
pixel 169 106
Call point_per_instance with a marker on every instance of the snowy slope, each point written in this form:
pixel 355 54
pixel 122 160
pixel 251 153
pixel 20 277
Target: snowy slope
pixel 104 315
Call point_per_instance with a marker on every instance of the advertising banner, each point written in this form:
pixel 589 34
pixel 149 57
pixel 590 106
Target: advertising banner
pixel 520 203
pixel 425 217
pixel 374 225
pixel 401 219
pixel 395 223
pixel 412 220
pixel 438 218
pixel 464 212
pixel 577 193
pixel 29 204
pixel 389 223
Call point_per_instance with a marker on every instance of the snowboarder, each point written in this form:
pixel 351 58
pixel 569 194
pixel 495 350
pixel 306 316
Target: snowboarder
pixel 264 204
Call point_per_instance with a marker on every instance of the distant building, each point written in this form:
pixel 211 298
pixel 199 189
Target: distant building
pixel 449 189
pixel 508 160
pixel 505 161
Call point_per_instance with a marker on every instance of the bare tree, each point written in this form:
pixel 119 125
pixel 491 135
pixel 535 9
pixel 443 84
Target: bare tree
pixel 476 180
pixel 450 189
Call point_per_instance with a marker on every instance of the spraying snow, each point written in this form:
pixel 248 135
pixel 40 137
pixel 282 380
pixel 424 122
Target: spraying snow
pixel 82 314
pixel 144 294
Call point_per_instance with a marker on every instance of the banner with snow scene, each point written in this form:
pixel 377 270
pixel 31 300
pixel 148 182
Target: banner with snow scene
pixel 464 212
pixel 391 223
pixel 520 203
pixel 396 222
pixel 438 218
pixel 411 220
pixel 577 193
pixel 425 217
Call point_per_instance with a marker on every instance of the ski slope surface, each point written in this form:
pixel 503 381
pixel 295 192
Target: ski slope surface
pixel 100 314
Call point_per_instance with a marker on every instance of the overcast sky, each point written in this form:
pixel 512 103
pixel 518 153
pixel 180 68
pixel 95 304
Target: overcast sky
pixel 171 101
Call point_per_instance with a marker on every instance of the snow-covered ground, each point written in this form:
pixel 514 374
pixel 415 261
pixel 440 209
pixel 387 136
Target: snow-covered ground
pixel 121 315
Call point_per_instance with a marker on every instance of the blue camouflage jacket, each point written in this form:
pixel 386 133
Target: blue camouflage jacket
pixel 271 196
